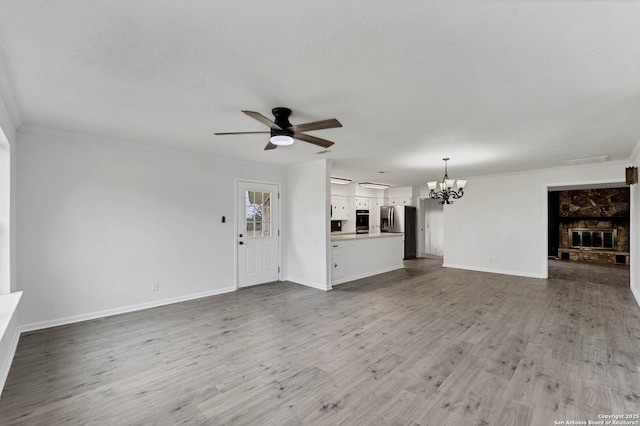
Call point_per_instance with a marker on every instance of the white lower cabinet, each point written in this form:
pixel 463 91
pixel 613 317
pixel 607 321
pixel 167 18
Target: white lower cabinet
pixel 356 258
pixel 337 261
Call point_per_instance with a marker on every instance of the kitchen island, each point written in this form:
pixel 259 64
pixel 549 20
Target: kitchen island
pixel 355 256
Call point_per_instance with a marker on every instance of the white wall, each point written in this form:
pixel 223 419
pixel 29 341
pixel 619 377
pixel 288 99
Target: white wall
pixel 634 238
pixel 7 144
pixel 5 214
pixel 500 225
pixel 9 121
pixel 100 221
pixel 308 224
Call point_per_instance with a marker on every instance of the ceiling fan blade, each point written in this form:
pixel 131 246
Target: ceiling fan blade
pixel 270 146
pixel 312 139
pixel 264 120
pixel 237 133
pixel 316 125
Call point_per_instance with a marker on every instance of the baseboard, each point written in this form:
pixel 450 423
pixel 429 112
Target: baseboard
pixel 368 274
pixel 6 365
pixel 307 283
pixel 494 271
pixel 123 310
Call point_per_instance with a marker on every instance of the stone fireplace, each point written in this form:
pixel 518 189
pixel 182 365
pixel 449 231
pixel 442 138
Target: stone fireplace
pixel 594 225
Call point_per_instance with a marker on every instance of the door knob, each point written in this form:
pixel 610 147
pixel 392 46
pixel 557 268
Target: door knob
pixel 241 243
pixel 240 235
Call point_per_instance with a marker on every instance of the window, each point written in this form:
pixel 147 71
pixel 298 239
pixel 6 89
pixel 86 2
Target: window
pixel 258 214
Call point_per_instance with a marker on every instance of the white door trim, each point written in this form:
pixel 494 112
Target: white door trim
pixel 236 240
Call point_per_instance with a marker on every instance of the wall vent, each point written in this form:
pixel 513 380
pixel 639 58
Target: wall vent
pixel 589 160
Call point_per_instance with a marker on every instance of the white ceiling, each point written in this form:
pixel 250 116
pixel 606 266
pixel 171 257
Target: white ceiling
pixel 497 86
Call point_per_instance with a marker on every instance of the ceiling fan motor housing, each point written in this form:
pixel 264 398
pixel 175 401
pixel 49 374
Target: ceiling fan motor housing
pixel 281 115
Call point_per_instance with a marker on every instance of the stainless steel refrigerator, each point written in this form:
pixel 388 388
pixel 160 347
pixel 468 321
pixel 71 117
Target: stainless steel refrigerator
pixel 401 219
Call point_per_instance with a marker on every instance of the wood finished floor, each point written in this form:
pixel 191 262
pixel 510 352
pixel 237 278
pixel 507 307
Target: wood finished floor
pixel 419 346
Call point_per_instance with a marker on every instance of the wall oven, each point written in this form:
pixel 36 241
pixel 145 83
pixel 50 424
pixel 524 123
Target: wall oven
pixel 362 221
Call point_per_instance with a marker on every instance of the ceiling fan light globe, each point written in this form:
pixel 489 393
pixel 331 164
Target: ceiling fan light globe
pixel 281 140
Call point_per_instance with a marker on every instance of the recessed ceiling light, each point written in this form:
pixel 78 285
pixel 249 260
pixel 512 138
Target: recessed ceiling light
pixel 381 171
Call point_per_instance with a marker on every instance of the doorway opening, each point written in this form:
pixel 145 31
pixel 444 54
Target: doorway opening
pixel 432 228
pixel 588 233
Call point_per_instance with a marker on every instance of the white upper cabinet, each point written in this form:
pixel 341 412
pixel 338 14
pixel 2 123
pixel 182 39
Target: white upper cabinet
pixel 362 203
pixel 339 208
pixel 400 201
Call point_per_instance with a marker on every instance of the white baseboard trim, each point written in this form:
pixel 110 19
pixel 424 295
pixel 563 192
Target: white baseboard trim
pixel 122 310
pixel 6 365
pixel 368 274
pixel 307 283
pixel 494 271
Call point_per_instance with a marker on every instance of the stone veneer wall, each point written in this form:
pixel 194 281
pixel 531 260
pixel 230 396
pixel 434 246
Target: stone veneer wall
pixel 595 209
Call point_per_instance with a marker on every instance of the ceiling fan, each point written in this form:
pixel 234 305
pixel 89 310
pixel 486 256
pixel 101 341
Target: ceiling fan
pixel 283 132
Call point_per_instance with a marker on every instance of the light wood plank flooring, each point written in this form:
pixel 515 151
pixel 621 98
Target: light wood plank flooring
pixel 420 346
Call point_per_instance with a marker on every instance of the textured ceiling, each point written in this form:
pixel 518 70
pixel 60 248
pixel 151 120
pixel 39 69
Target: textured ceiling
pixel 497 86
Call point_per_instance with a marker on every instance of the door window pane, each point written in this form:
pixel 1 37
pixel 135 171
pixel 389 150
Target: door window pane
pixel 258 213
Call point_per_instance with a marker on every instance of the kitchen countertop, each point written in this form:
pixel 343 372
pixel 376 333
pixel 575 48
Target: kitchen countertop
pixel 339 236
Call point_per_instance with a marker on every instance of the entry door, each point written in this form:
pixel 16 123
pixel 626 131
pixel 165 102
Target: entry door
pixel 258 228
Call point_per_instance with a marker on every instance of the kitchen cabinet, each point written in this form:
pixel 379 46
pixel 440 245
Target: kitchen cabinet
pixel 374 214
pixel 337 261
pixel 358 256
pixel 339 208
pixel 401 201
pixel 362 203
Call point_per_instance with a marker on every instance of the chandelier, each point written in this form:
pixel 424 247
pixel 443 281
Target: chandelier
pixel 445 187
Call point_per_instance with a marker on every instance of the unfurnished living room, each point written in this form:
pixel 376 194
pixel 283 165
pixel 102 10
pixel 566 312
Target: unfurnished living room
pixel 319 213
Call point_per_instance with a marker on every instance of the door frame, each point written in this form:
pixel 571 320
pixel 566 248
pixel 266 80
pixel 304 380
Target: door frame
pixel 236 272
pixel 424 204
pixel 567 186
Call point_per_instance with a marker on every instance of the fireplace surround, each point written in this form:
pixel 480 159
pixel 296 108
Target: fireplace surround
pixel 593 225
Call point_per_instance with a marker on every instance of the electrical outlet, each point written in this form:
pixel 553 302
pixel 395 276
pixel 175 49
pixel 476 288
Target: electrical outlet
pixel 155 286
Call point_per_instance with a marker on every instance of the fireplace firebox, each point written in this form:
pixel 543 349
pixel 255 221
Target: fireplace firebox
pixel 593 239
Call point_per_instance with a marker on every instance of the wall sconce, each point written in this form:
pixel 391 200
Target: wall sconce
pixel 632 175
